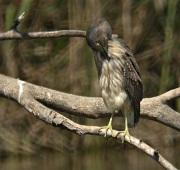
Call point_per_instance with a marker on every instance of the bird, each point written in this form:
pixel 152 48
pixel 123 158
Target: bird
pixel 118 74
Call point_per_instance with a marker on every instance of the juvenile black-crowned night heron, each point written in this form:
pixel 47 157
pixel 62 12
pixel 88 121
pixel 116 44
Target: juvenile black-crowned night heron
pixel 118 73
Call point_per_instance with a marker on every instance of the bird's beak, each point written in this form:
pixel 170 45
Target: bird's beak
pixel 105 52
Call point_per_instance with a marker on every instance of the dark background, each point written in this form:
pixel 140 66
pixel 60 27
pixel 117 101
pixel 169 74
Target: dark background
pixel 151 29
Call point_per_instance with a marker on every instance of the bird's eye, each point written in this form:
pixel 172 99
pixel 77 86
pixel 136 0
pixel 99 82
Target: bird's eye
pixel 97 44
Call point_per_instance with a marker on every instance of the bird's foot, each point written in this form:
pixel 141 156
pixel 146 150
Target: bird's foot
pixel 125 133
pixel 108 127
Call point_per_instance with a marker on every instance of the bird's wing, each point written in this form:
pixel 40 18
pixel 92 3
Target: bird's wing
pixel 132 80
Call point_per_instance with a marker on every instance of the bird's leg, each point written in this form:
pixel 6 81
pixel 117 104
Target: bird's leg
pixel 126 131
pixel 109 126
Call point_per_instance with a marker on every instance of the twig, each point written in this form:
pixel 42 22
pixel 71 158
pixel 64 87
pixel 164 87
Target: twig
pixel 13 34
pixel 17 21
pixel 41 35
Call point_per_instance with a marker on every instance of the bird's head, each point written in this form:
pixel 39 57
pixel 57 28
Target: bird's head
pixel 98 34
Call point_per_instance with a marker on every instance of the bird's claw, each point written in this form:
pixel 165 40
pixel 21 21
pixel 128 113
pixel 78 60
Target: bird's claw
pixel 108 127
pixel 125 133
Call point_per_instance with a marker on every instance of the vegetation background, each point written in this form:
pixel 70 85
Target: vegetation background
pixel 151 29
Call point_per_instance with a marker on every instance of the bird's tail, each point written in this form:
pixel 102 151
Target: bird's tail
pixel 133 115
pixel 130 118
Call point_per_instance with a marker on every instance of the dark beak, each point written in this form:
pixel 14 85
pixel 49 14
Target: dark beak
pixel 104 52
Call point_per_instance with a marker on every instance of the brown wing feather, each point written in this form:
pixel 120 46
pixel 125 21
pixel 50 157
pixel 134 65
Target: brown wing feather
pixel 132 81
pixel 133 86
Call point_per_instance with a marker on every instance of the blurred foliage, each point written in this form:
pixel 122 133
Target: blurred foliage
pixel 151 28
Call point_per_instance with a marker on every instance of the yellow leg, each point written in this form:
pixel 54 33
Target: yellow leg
pixel 109 126
pixel 126 131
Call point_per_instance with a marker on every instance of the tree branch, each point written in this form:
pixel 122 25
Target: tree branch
pixel 12 34
pixel 92 107
pixel 17 21
pixel 156 109
pixel 172 94
pixel 24 93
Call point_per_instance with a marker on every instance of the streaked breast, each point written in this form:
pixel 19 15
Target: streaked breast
pixel 111 79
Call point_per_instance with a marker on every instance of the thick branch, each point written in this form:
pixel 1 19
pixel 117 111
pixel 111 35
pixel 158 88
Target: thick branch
pixel 54 118
pixel 156 109
pixel 21 92
pixel 92 107
pixel 172 94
